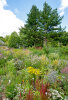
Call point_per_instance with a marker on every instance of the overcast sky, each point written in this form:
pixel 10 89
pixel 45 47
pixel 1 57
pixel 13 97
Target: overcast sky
pixel 13 13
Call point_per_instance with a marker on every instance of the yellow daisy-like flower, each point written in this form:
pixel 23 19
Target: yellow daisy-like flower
pixel 32 70
pixel 37 72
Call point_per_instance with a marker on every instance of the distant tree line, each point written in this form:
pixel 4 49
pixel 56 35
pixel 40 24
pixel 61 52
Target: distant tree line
pixel 40 26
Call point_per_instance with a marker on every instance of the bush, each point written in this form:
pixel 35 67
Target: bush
pixel 64 38
pixel 64 50
pixel 13 40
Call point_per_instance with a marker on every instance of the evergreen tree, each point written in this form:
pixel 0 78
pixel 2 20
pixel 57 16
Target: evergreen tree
pixel 50 19
pixel 33 19
pixel 38 24
pixel 34 36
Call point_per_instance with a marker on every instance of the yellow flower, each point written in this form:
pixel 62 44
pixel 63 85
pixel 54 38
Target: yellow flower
pixel 43 58
pixel 37 72
pixel 32 70
pixel 55 62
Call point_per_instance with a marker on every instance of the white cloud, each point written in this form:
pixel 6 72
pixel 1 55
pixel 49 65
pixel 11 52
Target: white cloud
pixel 3 3
pixel 64 4
pixel 8 20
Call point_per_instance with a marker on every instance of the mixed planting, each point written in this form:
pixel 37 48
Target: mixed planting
pixel 34 63
pixel 32 74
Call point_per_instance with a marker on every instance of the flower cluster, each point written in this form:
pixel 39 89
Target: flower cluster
pixel 55 62
pixel 65 70
pixel 34 59
pixel 52 76
pixel 55 95
pixel 44 60
pixel 32 70
pixel 43 57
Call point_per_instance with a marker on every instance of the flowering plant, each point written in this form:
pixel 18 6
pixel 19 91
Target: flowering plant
pixel 32 70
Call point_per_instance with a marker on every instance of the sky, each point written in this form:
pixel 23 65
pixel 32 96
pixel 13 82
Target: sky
pixel 13 13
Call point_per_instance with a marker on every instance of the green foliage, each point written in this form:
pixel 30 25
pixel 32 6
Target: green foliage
pixel 23 37
pixel 2 62
pixel 29 68
pixel 1 89
pixel 13 40
pixel 54 36
pixel 6 39
pixel 11 91
pixel 50 19
pixel 25 69
pixel 30 35
pixel 10 67
pixel 39 23
pixel 2 38
pixel 54 56
pixel 64 50
pixel 33 16
pixel 58 37
pixel 36 51
pixel 45 49
pixel 3 71
pixel 65 86
pixel 1 43
pixel 64 38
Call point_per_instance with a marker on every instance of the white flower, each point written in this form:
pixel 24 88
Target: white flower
pixel 32 78
pixel 46 93
pixel 9 81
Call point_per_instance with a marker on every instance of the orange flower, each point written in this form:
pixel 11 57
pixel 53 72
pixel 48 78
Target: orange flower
pixel 23 81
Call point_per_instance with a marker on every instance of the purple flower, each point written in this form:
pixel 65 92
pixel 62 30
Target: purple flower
pixel 65 70
pixel 0 54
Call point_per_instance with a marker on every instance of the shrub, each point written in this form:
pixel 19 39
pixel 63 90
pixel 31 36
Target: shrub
pixel 64 50
pixel 13 40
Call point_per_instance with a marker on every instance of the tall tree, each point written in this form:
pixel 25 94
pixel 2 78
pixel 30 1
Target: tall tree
pixel 50 19
pixel 33 18
pixel 38 23
pixel 34 36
